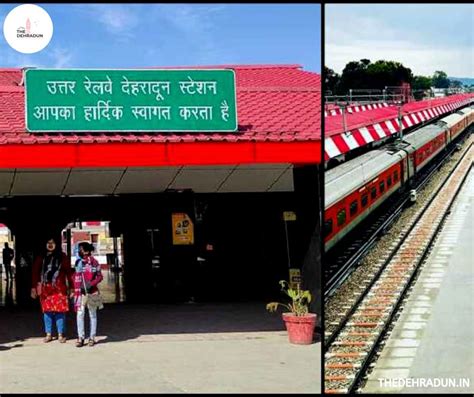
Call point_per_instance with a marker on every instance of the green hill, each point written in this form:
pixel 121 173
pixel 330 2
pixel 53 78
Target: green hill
pixel 465 80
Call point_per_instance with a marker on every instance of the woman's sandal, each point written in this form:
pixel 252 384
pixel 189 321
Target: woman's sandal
pixel 47 338
pixel 80 342
pixel 62 339
pixel 91 342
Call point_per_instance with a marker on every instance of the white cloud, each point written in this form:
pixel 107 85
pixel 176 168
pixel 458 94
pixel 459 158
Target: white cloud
pixel 117 19
pixel 50 57
pixel 357 37
pixel 190 19
pixel 196 23
pixel 13 59
pixel 422 60
pixel 62 58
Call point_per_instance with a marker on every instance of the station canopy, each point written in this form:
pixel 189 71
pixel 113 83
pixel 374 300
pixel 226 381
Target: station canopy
pixel 373 122
pixel 278 121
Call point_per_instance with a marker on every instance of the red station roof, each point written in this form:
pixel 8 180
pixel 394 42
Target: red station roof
pixel 279 117
pixel 375 124
pixel 331 109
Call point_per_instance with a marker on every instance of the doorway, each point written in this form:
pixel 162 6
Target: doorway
pixel 7 286
pixel 108 251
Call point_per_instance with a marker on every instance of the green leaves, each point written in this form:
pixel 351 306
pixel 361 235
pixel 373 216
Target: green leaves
pixel 300 300
pixel 306 295
pixel 292 294
pixel 272 306
pixel 365 74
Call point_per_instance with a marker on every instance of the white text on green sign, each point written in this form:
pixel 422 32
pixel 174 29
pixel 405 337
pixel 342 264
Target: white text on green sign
pixel 130 100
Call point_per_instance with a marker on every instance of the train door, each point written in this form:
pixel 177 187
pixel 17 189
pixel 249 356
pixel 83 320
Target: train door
pixel 411 157
pixel 447 136
pixel 403 168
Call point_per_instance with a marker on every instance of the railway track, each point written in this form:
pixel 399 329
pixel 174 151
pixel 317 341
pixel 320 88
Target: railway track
pixel 351 349
pixel 332 328
pixel 341 264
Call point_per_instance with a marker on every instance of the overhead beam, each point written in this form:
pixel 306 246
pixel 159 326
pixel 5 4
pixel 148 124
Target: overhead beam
pixel 157 154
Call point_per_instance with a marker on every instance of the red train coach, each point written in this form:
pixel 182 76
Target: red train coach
pixel 356 188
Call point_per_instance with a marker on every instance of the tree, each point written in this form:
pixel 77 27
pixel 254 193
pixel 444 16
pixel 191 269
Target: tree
pixel 377 75
pixel 388 73
pixel 421 83
pixel 331 80
pixel 354 75
pixel 440 79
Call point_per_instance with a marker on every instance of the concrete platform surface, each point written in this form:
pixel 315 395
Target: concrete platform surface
pixel 196 348
pixel 431 348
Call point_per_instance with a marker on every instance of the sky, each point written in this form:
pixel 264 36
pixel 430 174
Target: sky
pixel 144 35
pixel 424 37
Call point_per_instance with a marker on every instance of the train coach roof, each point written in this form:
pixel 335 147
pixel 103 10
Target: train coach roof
pixel 452 119
pixel 424 135
pixel 467 110
pixel 353 174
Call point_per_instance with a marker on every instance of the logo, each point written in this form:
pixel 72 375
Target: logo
pixel 28 28
pixel 22 32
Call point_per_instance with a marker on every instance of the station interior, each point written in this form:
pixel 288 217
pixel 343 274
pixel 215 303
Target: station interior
pixel 242 243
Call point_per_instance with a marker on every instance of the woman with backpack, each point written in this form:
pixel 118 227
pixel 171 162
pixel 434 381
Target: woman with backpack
pixel 86 294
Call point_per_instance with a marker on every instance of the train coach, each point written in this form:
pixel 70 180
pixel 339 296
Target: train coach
pixel 356 188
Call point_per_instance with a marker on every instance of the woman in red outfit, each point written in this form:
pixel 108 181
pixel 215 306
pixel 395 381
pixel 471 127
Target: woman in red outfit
pixel 51 279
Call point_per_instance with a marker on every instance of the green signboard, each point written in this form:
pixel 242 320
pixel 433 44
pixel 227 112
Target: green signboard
pixel 130 100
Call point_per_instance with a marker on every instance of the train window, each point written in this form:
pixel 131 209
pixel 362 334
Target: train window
pixel 353 208
pixel 373 193
pixel 364 200
pixel 327 227
pixel 382 186
pixel 341 217
pixel 395 176
pixel 389 181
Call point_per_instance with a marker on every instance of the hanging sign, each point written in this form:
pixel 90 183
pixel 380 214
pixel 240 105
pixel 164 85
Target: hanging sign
pixel 75 100
pixel 183 229
pixel 289 216
pixel 295 277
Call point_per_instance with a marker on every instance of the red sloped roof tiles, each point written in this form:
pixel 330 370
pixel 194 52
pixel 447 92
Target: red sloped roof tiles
pixel 334 124
pixel 279 103
pixel 368 126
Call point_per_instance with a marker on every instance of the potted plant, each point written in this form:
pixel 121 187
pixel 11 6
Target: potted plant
pixel 298 321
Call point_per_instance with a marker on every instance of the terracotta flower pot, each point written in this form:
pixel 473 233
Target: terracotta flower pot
pixel 300 328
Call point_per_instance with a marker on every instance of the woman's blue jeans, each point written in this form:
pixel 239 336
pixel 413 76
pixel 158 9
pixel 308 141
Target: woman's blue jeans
pixel 58 318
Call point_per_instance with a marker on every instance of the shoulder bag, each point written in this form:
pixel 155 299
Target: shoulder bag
pixel 93 301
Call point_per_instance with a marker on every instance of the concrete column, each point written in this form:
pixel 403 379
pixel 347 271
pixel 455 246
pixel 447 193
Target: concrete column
pixel 307 182
pixel 183 265
pixel 137 266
